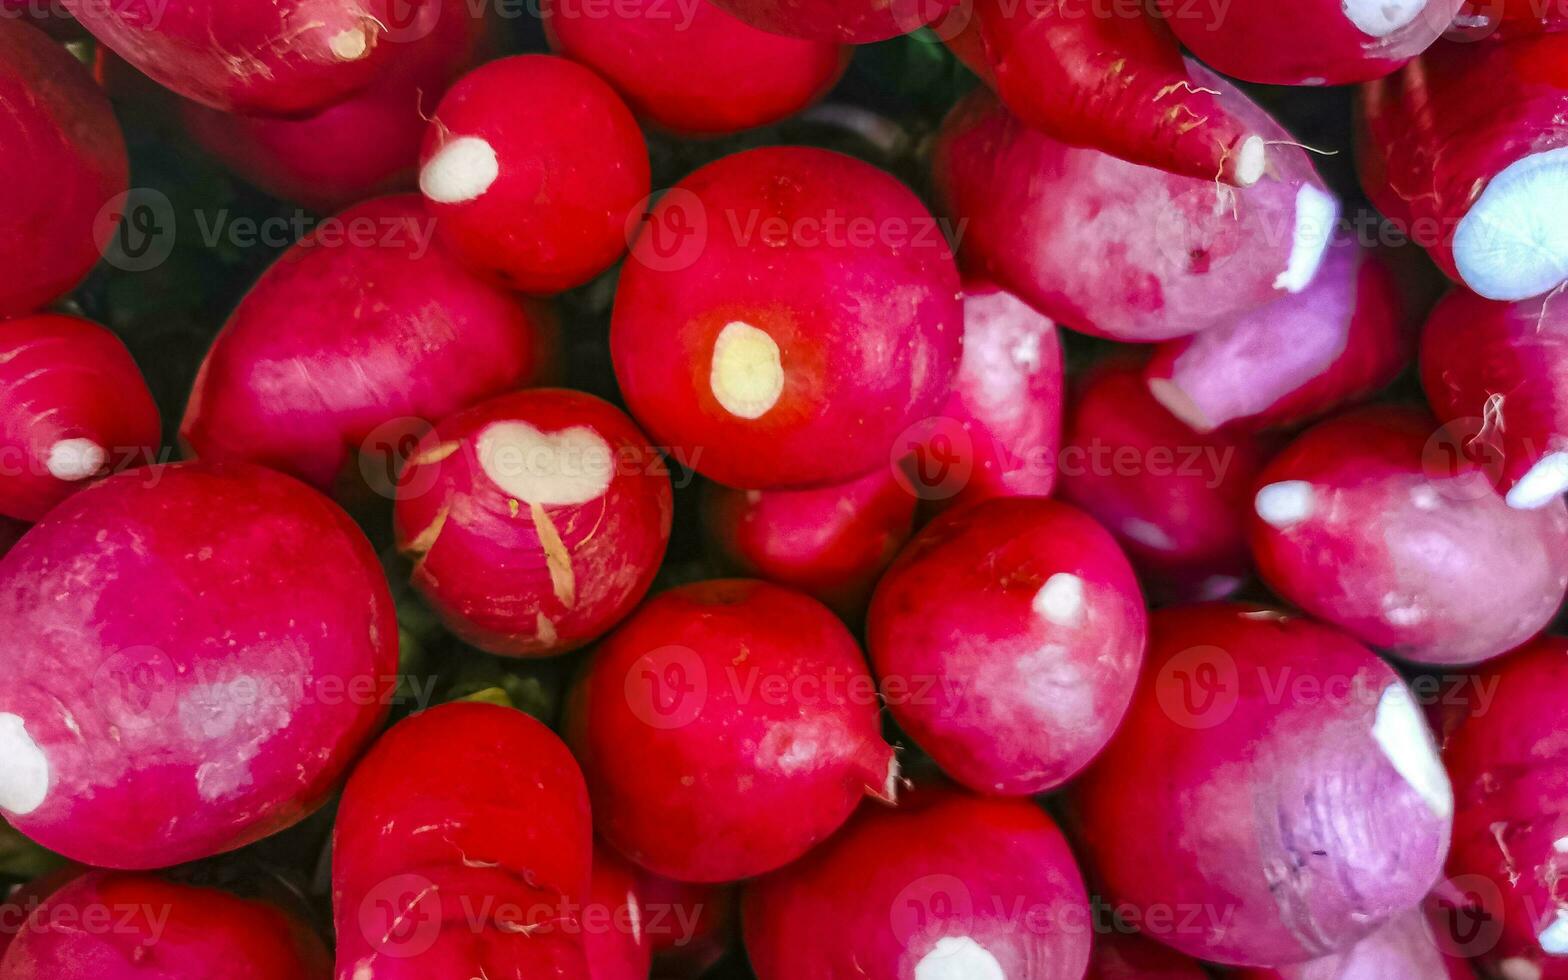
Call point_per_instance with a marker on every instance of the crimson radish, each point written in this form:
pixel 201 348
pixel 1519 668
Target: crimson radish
pixel 840 21
pixel 615 921
pixel 196 654
pixel 946 886
pixel 1403 949
pixel 73 405
pixel 690 926
pixel 1007 638
pixel 537 520
pixel 788 312
pixel 463 848
pixel 1510 18
pixel 537 192
pixel 1374 522
pixel 1274 777
pixel 1128 956
pixel 725 728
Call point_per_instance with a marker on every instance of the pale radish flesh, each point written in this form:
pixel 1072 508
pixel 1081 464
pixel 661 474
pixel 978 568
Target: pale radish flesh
pixel 1406 946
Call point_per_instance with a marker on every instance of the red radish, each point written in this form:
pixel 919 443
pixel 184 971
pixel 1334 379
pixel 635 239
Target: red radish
pixel 1274 777
pixel 690 927
pixel 1114 82
pixel 64 160
pixel 534 192
pixel 110 925
pixel 197 653
pixel 1404 949
pixel 1465 150
pixel 725 728
pixel 1127 252
pixel 1007 638
pixel 839 21
pixel 695 70
pixel 1369 522
pixel 1510 18
pixel 537 520
pixel 810 317
pixel 23 900
pixel 831 543
pixel 947 886
pixel 1176 500
pixel 1337 341
pixel 1128 956
pixel 1311 42
pixel 362 324
pixel 73 405
pixel 463 848
pixel 1500 371
pixel 615 921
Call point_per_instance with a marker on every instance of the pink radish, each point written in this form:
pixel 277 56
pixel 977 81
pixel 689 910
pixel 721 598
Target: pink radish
pixel 536 520
pixel 839 21
pixel 1007 638
pixel 615 920
pixel 1273 776
pixel 1342 338
pixel 64 160
pixel 788 312
pixel 1374 522
pixel 536 193
pixel 1476 178
pixel 1127 252
pixel 364 324
pixel 1127 956
pixel 725 728
pixel 197 653
pixel 73 406
pixel 463 848
pixel 946 886
pixel 1404 949
pixel 696 70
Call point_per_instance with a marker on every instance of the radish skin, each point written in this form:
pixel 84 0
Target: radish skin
pixel 838 21
pixel 615 920
pixel 1128 956
pixel 1405 947
pixel 1506 19
pixel 700 924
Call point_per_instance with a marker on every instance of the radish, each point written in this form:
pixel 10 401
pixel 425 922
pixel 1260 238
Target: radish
pixel 1476 177
pixel 1339 340
pixel 536 520
pixel 1008 638
pixel 110 925
pixel 1372 522
pixel 615 921
pixel 20 902
pixel 1313 42
pixel 1500 371
pixel 947 886
pixel 1403 948
pixel 690 926
pixel 1510 18
pixel 1176 500
pixel 73 406
pixel 180 685
pixel 1274 792
pixel 1127 252
pixel 1127 956
pixel 697 70
pixel 463 848
pixel 831 543
pixel 64 160
pixel 536 193
pixel 725 728
pixel 362 325
pixel 788 312
pixel 839 21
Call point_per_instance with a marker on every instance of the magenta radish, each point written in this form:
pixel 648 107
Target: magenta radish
pixel 536 520
pixel 1498 372
pixel 1510 18
pixel 1405 948
pixel 615 921
pixel 696 70
pixel 110 925
pixel 1275 776
pixel 838 21
pixel 197 652
pixel 1373 521
pixel 725 728
pixel 1476 177
pixel 1127 252
pixel 64 157
pixel 787 314
pixel 362 325
pixel 536 193
pixel 1337 341
pixel 1007 639
pixel 945 886
pixel 1122 955
pixel 73 406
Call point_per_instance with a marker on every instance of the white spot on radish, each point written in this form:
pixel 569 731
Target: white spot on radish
pixel 1402 610
pixel 1284 505
pixel 959 958
pixel 747 376
pixel 1315 216
pixel 1513 242
pixel 552 469
pixel 349 45
pixel 1560 845
pixel 1402 734
pixel 1554 938
pixel 24 769
pixel 1026 353
pixel 1423 497
pixel 75 459
pixel 460 171
pixel 1380 18
pixel 1544 483
pixel 1060 600
pixel 1518 968
pixel 1251 159
pixel 1180 404
pixel 1147 533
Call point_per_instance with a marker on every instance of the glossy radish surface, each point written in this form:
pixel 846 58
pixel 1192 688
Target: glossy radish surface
pixel 615 920
pixel 843 21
